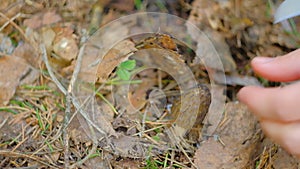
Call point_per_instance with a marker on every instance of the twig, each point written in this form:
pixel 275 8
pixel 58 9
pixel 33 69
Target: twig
pixel 75 103
pixel 143 123
pixel 68 106
pixel 19 144
pixel 17 154
pixel 17 27
pixel 172 158
pixel 53 77
pixel 3 123
pixel 65 131
pixel 70 90
pixel 11 20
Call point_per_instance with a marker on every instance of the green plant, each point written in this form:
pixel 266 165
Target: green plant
pixel 138 4
pixel 125 68
pixel 151 164
pixel 96 154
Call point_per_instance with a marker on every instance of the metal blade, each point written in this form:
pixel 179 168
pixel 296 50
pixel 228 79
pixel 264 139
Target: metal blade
pixel 286 10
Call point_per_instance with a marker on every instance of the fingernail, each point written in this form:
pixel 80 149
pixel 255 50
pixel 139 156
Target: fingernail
pixel 261 59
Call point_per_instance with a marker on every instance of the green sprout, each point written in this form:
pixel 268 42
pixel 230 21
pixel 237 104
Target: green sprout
pixel 123 70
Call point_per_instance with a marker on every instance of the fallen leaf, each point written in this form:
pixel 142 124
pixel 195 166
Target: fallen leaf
pixel 126 163
pixel 79 131
pixel 112 15
pixel 9 8
pixel 127 146
pixel 239 138
pixel 48 36
pixel 271 155
pixel 113 58
pixel 42 19
pixel 98 161
pixel 223 50
pixel 12 70
pixel 97 47
pixel 28 53
pixel 50 17
pixel 284 160
pixel 138 93
pixel 123 5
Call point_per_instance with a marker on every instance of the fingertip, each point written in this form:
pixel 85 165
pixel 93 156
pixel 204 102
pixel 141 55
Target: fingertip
pixel 259 100
pixel 263 66
pixel 245 92
pixel 282 68
pixel 241 93
pixel 261 60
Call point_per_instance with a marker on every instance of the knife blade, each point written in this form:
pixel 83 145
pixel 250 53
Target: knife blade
pixel 286 10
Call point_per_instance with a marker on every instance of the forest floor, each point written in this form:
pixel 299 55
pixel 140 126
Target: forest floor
pixel 143 113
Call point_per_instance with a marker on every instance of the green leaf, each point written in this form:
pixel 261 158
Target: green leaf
pixel 138 4
pixel 156 138
pixel 123 73
pixel 128 65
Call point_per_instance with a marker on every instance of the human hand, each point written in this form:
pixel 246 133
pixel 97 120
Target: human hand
pixel 278 108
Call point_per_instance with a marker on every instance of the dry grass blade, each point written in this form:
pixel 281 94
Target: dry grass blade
pixel 9 21
pixel 18 154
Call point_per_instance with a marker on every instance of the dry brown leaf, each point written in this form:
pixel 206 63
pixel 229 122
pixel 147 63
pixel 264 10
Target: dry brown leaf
pixel 89 64
pixel 127 146
pixel 7 4
pixel 77 132
pixel 270 155
pixel 284 160
pixel 42 19
pixel 12 69
pixel 239 136
pixel 97 162
pixel 123 5
pixel 223 50
pixel 10 8
pixel 113 58
pixel 111 15
pixel 28 53
pixel 98 46
pixel 126 164
pixel 48 36
pixel 212 155
pixel 138 95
